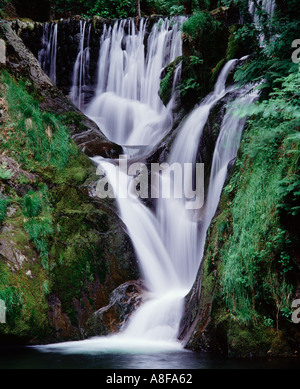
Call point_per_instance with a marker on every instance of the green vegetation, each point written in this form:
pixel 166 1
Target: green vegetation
pixel 38 141
pixel 5 174
pixel 53 148
pixel 39 221
pixel 166 84
pixel 273 61
pixel 262 268
pixel 118 8
pixel 121 8
pixel 3 4
pixel 257 259
pixel 204 46
pixel 113 8
pixel 106 9
pixel 3 208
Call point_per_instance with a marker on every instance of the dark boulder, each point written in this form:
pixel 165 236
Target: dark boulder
pixel 124 300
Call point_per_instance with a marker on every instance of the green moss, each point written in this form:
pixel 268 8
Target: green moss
pixel 79 260
pixel 166 84
pixel 249 341
pixel 237 47
pixel 218 68
pixel 73 118
pixel 26 304
pixel 54 225
pixel 204 46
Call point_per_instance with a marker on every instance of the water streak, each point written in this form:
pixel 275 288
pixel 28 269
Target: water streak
pixel 48 54
pixel 81 67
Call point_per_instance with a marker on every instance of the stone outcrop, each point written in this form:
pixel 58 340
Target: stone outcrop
pixel 123 301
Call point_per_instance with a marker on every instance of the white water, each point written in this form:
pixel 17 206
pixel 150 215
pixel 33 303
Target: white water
pixel 178 225
pixel 47 55
pixel 81 67
pixel 168 242
pixel 127 106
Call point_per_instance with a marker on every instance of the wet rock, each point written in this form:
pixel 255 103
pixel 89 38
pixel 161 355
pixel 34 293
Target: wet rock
pixel 9 251
pixel 123 301
pixel 219 12
pixel 60 320
pixel 105 149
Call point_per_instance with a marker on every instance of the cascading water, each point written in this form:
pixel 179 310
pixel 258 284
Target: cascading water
pixel 127 106
pixel 47 55
pixel 267 6
pixel 81 67
pixel 225 152
pixel 168 243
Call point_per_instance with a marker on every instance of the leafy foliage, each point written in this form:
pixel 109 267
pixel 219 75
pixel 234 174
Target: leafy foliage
pixel 269 43
pixel 167 7
pixel 105 9
pixel 196 26
pixel 257 259
pixel 3 4
pixel 204 43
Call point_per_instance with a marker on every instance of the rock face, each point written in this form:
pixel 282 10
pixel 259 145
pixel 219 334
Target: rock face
pixel 198 304
pixel 123 301
pixel 68 39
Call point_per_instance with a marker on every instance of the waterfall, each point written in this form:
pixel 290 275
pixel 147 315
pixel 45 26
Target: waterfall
pixel 48 53
pixel 127 106
pixel 168 241
pixel 269 7
pixel 81 66
pixel 178 223
pixel 225 152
